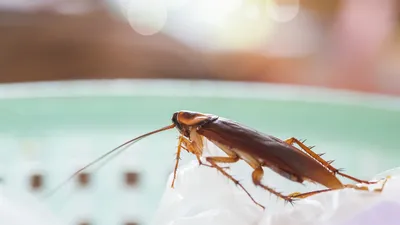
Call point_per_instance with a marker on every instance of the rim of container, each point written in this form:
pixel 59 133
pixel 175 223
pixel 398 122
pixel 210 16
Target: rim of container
pixel 195 88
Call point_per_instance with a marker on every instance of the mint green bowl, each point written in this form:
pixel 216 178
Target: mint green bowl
pixel 55 128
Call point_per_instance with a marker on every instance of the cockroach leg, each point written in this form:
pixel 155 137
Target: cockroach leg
pixel 308 194
pixel 213 160
pixel 178 153
pixel 257 176
pixel 197 156
pixel 356 179
pixel 221 159
pixel 328 165
pixel 185 148
pixel 314 155
pixel 203 164
pixel 190 147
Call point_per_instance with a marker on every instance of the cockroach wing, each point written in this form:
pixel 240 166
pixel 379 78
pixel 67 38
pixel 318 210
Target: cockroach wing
pixel 272 151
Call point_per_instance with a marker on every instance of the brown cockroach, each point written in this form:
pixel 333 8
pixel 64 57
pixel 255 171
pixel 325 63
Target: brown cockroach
pixel 258 150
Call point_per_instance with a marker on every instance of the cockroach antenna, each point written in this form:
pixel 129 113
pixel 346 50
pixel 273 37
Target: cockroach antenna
pixel 120 147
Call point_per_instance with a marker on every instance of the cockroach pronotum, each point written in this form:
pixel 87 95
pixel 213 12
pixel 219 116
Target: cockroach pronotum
pixel 258 150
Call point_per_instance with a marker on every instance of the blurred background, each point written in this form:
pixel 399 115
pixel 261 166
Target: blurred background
pixel 339 45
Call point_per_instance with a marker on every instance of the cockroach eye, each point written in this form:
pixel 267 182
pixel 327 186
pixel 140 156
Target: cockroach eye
pixel 175 118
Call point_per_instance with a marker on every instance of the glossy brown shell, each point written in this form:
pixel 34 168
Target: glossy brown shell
pixel 270 150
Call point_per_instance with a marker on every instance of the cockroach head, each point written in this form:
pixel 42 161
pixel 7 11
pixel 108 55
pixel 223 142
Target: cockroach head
pixel 184 130
pixel 185 120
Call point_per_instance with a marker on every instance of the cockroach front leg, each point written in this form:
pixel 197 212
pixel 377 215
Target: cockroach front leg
pixel 178 154
pixel 230 159
pixel 189 146
pixel 317 157
pixel 198 158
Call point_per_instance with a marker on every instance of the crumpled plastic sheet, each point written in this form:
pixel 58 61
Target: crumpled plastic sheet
pixel 202 196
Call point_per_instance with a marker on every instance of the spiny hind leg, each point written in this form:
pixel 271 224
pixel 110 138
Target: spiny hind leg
pixel 257 176
pixel 314 155
pixel 308 194
pixel 230 159
pixel 317 157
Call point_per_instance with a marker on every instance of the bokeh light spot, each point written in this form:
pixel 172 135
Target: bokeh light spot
pixel 147 17
pixel 283 12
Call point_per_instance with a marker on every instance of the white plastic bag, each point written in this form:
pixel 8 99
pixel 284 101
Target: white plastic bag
pixel 204 196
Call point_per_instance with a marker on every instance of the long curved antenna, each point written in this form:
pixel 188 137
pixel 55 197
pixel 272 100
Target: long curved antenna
pixel 106 154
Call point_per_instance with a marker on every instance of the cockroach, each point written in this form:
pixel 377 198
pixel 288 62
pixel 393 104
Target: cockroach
pixel 258 150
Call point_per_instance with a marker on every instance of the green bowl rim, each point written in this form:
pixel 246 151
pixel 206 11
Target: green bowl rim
pixel 195 88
